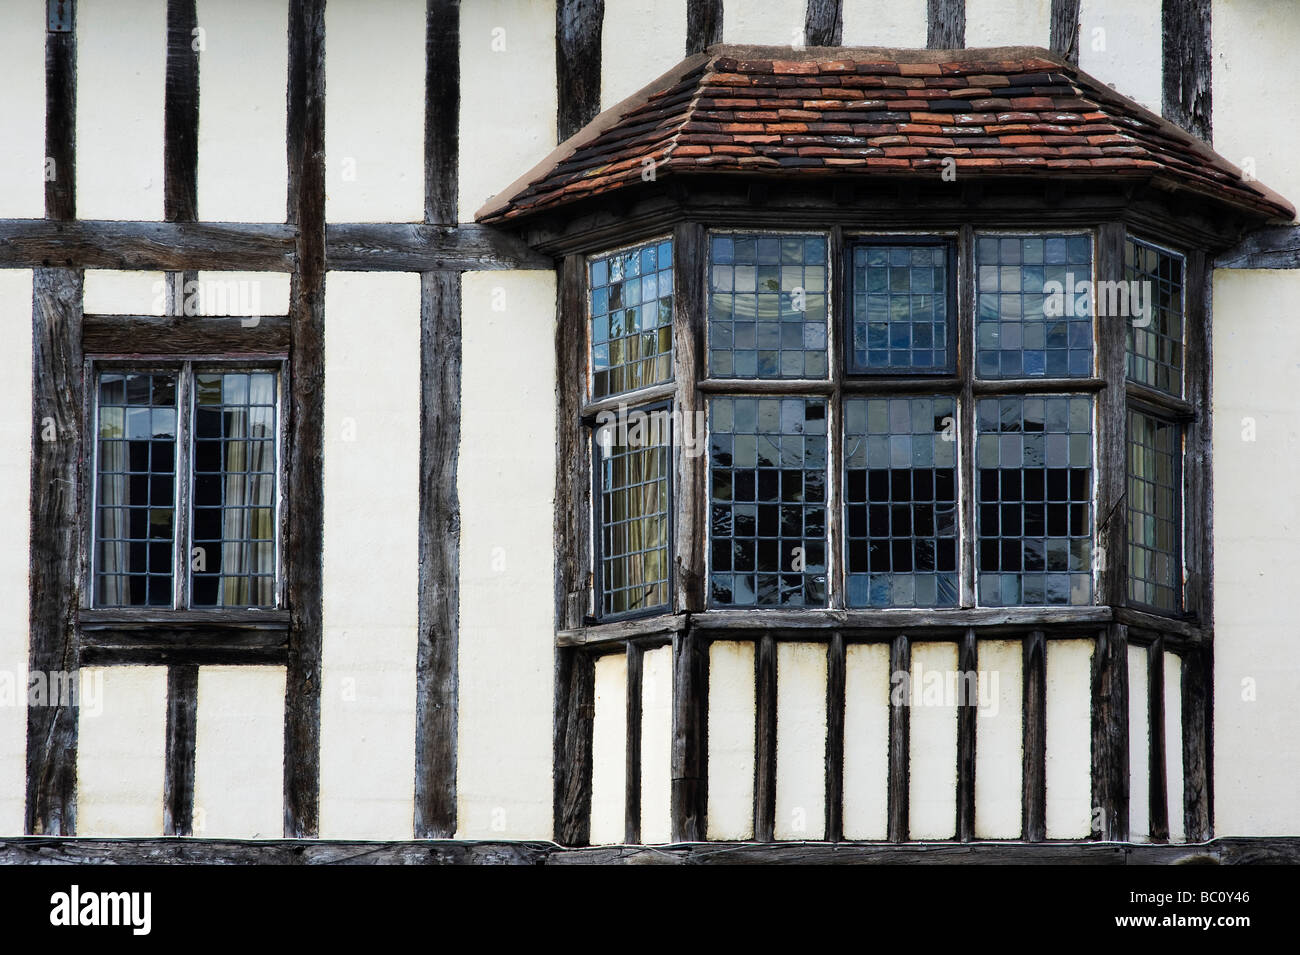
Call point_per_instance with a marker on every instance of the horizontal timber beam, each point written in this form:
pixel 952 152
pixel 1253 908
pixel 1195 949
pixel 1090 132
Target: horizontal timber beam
pixel 258 246
pixel 1276 248
pixel 197 335
pixel 170 851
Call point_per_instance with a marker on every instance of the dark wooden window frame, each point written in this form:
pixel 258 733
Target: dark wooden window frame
pixel 187 367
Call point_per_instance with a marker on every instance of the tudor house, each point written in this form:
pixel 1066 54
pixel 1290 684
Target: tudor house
pixel 629 422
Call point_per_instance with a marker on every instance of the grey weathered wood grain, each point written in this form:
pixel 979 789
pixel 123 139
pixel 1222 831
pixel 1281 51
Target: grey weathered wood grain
pixel 689 755
pixel 171 335
pixel 765 739
pixel 178 773
pixel 578 26
pixel 1034 771
pixel 823 22
pixel 1187 65
pixel 1064 29
pixel 703 24
pixel 946 24
pixel 900 662
pixel 1276 247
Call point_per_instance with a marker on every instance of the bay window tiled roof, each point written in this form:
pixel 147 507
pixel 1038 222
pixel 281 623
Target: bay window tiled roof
pixel 781 111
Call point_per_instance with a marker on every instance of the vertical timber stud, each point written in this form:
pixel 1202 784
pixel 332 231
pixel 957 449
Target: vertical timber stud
pixel 1187 82
pixel 835 682
pixel 690 784
pixel 57 392
pixel 1156 766
pixel 180 204
pixel 823 23
pixel 967 710
pixel 437 678
pixel 946 26
pixel 1065 29
pixel 60 123
pixel 574 669
pixel 1198 700
pixel 437 683
pixel 703 25
pixel 1110 771
pixel 182 728
pixel 306 206
pixel 765 739
pixel 577 62
pixel 1034 805
pixel 966 410
pixel 575 692
pixel 900 662
pixel 690 255
pixel 632 769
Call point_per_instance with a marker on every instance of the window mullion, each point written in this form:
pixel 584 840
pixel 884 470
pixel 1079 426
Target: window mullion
pixel 184 481
pixel 964 331
pixel 836 562
pixel 1111 429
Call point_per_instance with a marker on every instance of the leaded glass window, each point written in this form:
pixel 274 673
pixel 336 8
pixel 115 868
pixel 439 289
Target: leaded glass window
pixel 900 297
pixel 631 317
pixel 233 544
pixel 767 475
pixel 633 466
pixel 135 489
pixel 1154 495
pixel 900 498
pixel 1155 338
pixel 218 430
pixel 1034 500
pixel 1034 306
pixel 767 306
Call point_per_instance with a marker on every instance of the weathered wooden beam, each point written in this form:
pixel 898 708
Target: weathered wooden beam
pixel 1198 716
pixel 578 26
pixel 437 681
pixel 181 114
pixel 1277 247
pixel 572 458
pixel 399 247
pixel 1187 65
pixel 1198 445
pixel 57 395
pixel 170 335
pixel 153 246
pixel 823 22
pixel 689 499
pixel 703 25
pixel 835 689
pixel 162 638
pixel 442 111
pixel 900 662
pixel 1110 768
pixel 259 246
pixel 178 772
pixel 1110 470
pixel 163 654
pixel 60 124
pixel 1157 772
pixel 632 762
pixel 306 204
pixel 1034 772
pixel 1281 850
pixel 575 708
pixel 765 739
pixel 689 757
pixel 1064 31
pixel 946 24
pixel 967 711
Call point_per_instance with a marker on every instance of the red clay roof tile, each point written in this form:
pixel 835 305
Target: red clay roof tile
pixel 795 111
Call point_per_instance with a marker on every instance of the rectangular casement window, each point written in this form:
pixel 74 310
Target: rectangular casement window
pixel 1154 511
pixel 1155 333
pixel 631 310
pixel 187 478
pixel 899 295
pixel 633 468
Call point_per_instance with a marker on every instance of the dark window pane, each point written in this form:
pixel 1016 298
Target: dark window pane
pixel 630 311
pixel 775 449
pixel 900 454
pixel 1155 331
pixel 634 462
pixel 1030 450
pixel 767 306
pixel 134 489
pixel 1033 314
pixel 1154 532
pixel 899 306
pixel 234 498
